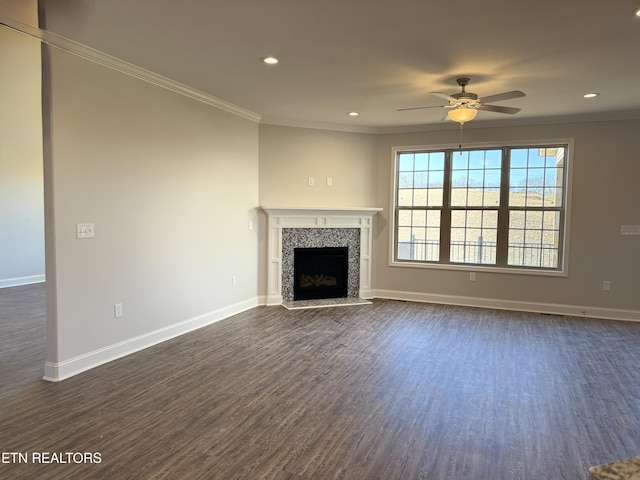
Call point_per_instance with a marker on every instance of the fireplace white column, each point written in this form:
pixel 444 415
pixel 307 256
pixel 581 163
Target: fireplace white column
pixel 279 218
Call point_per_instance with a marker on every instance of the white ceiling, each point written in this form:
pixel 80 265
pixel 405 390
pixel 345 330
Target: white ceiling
pixel 375 56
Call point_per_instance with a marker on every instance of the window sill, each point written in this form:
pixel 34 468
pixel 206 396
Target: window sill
pixel 481 268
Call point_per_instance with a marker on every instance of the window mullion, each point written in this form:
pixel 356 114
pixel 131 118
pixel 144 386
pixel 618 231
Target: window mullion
pixel 445 213
pixel 502 252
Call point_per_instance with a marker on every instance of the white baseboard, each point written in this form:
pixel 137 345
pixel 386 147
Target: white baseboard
pixel 55 372
pixel 17 281
pixel 550 308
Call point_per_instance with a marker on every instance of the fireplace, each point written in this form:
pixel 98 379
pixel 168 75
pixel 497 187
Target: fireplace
pixel 320 273
pixel 292 228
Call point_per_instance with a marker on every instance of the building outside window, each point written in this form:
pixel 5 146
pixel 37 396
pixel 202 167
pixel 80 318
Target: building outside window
pixel 502 207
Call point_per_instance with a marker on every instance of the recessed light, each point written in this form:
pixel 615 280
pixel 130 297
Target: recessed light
pixel 590 95
pixel 270 60
pixel 353 114
pixel 638 12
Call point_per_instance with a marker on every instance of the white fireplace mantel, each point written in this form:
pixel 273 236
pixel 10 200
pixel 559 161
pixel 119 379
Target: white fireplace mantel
pixel 291 217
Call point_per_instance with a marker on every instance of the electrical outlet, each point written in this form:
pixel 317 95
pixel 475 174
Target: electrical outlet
pixel 329 182
pixel 311 181
pixel 117 310
pixel 472 276
pixel 606 285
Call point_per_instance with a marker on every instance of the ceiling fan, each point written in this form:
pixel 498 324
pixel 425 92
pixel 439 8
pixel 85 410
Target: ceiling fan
pixel 464 105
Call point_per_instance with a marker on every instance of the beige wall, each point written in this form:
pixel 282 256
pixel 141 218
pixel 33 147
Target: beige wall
pixel 21 173
pixel 170 184
pixel 290 155
pixel 604 197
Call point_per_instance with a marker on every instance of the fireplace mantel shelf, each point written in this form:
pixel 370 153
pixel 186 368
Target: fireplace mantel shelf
pixel 322 210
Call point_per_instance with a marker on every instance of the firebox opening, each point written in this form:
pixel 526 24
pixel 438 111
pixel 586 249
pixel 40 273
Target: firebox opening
pixel 320 273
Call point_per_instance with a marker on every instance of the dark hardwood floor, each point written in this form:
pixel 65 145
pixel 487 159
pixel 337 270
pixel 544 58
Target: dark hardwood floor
pixel 392 390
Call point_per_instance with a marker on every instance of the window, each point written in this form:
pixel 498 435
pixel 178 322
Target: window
pixel 500 207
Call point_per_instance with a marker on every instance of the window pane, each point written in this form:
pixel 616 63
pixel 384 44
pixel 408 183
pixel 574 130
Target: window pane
pixel 534 220
pixel 533 197
pixel 405 197
pixel 551 220
pixel 420 197
pixel 436 161
pixel 405 162
pixel 405 180
pixel 494 159
pixel 491 197
pixel 421 161
pixel 404 218
pixel 420 218
pixel 458 218
pixel 476 159
pixel 518 158
pixel 474 183
pixel 474 219
pixel 416 180
pixel 459 178
pixel 460 161
pixel 404 234
pixel 420 180
pixel 436 179
pixel 435 197
pixel 458 197
pixel 516 236
pixel 490 219
pixel 517 196
pixel 535 177
pixel 551 197
pixel 473 236
pixel 492 178
pixel 533 239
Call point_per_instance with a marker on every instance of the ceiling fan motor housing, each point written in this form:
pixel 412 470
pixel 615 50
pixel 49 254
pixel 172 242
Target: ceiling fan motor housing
pixel 464 97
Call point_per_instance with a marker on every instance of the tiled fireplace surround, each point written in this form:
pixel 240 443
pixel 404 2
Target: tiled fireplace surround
pixel 291 228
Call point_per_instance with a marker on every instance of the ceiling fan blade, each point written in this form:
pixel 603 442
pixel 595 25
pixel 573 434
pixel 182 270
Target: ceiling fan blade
pixel 419 108
pixel 502 96
pixel 496 108
pixel 446 96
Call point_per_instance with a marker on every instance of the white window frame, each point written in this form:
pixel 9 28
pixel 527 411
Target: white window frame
pixel 563 268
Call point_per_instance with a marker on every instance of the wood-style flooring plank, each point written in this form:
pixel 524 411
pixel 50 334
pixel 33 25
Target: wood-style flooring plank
pixel 392 390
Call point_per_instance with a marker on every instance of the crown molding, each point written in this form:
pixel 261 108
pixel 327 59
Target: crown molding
pixel 101 58
pixel 339 127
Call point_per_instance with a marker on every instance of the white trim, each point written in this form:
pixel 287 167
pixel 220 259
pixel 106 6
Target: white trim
pixel 498 304
pixel 295 217
pixel 283 122
pixel 121 66
pixel 17 281
pixel 55 372
pixel 477 267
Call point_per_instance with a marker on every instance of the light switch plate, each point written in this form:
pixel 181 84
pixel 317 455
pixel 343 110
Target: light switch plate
pixel 85 230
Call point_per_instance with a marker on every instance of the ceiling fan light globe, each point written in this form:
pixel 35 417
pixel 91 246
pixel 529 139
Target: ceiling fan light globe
pixel 463 114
